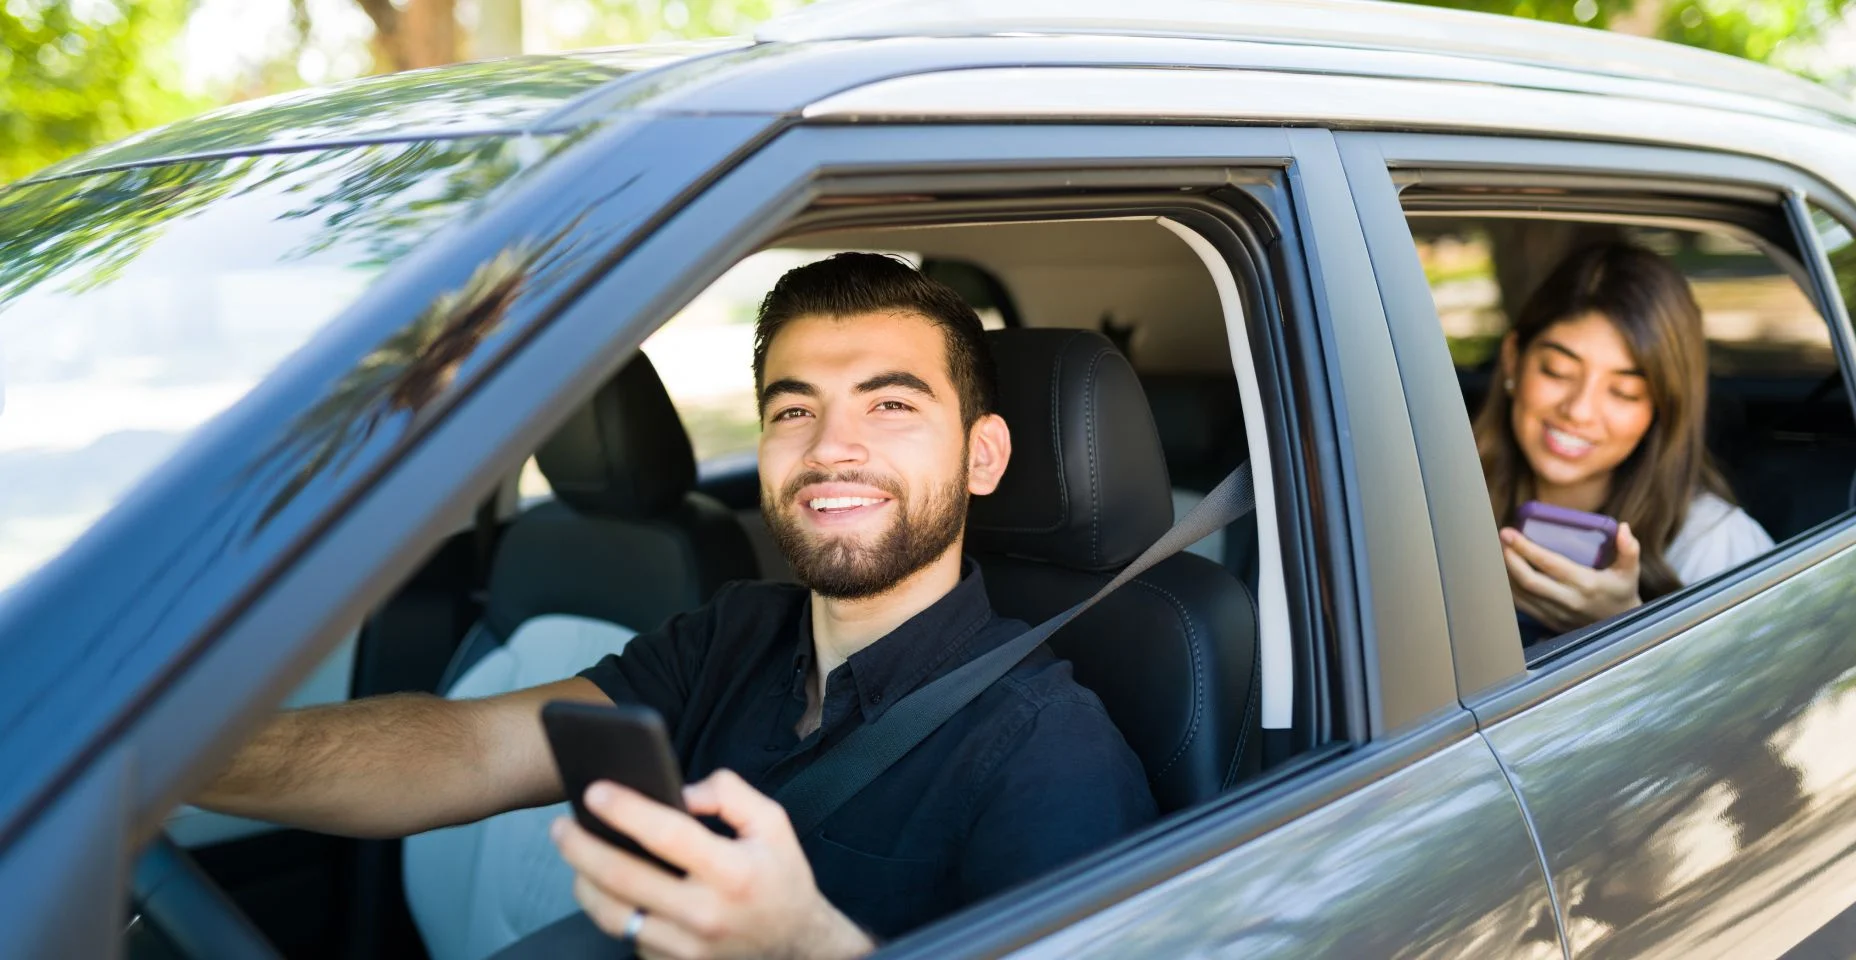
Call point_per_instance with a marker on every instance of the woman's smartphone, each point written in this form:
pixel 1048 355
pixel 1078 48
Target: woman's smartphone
pixel 625 744
pixel 1587 538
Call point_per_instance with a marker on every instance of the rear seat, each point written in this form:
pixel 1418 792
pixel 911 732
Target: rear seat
pixel 1201 424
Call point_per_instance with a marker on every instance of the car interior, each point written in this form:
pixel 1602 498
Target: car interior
pixel 646 500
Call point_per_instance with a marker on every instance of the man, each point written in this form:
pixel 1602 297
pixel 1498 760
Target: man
pixel 877 423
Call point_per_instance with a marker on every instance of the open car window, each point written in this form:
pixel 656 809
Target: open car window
pixel 1777 424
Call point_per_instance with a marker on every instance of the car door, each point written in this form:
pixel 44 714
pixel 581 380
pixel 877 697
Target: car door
pixel 1404 834
pixel 1686 766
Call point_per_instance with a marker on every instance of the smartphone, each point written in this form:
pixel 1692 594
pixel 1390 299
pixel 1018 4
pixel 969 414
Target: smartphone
pixel 1587 538
pixel 625 744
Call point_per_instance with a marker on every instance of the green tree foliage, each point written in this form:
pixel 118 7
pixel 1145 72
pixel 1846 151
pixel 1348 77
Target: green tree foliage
pixel 1769 31
pixel 76 73
pixel 645 21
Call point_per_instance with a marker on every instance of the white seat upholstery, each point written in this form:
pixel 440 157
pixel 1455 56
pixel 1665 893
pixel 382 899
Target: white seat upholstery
pixel 477 888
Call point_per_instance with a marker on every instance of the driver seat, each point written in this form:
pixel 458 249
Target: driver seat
pixel 1173 653
pixel 626 544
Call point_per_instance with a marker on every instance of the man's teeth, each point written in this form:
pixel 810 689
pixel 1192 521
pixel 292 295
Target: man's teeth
pixel 1568 440
pixel 842 503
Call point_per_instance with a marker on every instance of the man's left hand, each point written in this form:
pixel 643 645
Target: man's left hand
pixel 753 896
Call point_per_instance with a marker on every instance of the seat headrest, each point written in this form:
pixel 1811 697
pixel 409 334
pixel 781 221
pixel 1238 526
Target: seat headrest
pixel 1201 423
pixel 624 455
pixel 1087 485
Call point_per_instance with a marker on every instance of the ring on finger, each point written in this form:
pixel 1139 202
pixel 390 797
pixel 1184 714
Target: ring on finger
pixel 633 926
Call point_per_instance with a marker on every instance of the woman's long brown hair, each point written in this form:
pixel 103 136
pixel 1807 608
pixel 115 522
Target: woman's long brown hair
pixel 1652 307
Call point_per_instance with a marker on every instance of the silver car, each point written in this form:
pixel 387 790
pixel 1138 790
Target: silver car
pixel 272 380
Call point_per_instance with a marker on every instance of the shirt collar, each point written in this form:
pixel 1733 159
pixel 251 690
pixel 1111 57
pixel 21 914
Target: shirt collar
pixel 906 657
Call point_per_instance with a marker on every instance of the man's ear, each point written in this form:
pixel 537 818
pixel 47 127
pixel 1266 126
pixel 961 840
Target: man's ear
pixel 989 448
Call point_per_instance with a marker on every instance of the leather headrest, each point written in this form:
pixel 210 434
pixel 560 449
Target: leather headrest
pixel 1201 426
pixel 1087 486
pixel 624 455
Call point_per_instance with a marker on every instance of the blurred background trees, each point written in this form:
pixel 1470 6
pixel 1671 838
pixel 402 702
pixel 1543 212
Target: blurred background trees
pixel 76 73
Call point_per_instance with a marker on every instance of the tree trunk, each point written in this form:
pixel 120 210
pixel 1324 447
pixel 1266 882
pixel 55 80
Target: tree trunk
pixel 499 29
pixel 423 34
pixel 1644 19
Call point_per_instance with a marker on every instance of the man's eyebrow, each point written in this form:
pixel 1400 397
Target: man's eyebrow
pixel 1627 372
pixel 896 378
pixel 785 385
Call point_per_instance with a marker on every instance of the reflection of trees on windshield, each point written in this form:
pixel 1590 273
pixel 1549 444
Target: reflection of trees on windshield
pixel 385 198
pixel 446 101
pixel 402 375
pixel 358 208
pixel 101 222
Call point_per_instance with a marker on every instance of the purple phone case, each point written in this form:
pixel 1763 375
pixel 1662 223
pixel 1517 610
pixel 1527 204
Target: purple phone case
pixel 1588 538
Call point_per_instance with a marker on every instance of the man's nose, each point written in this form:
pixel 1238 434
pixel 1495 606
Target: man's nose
pixel 838 440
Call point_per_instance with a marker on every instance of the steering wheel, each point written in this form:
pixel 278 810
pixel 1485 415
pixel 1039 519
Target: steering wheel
pixel 170 893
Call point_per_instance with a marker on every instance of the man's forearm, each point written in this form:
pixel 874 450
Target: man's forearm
pixel 380 767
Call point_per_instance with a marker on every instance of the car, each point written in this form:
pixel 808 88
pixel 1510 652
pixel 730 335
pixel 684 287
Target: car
pixel 341 393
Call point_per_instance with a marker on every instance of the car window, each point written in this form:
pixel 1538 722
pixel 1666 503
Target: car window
pixel 1758 321
pixel 1839 247
pixel 1777 428
pixel 705 356
pixel 137 304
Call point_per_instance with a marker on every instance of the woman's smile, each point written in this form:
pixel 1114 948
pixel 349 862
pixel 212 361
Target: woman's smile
pixel 1566 445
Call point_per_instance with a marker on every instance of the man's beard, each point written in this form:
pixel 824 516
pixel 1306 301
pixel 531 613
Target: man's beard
pixel 853 568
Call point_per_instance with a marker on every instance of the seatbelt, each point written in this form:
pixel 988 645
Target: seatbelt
pixel 864 753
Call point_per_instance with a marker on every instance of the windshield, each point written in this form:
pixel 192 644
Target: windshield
pixel 137 304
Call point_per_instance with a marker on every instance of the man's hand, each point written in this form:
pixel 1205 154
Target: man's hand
pixel 1566 595
pixel 752 896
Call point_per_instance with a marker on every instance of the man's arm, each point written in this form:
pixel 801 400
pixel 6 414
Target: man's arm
pixel 398 765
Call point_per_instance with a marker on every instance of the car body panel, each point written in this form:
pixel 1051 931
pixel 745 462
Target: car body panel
pixel 1434 860
pixel 1700 797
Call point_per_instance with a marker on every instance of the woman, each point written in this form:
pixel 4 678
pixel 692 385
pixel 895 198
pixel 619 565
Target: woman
pixel 1601 407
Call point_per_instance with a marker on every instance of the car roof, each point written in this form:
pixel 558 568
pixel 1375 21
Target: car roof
pixel 1363 24
pixel 555 93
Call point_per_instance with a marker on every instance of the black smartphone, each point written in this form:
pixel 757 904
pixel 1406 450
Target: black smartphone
pixel 625 744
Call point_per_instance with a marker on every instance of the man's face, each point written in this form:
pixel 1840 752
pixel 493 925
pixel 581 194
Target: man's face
pixel 864 464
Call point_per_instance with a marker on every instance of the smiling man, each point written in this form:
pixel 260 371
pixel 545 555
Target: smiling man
pixel 876 399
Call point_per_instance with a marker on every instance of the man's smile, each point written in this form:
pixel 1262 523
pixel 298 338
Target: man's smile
pixel 839 504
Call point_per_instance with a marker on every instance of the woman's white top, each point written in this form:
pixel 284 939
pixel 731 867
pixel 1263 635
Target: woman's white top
pixel 1717 535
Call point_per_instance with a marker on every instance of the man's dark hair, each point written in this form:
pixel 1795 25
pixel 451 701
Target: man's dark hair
pixel 854 283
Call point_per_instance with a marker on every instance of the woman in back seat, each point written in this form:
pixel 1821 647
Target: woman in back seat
pixel 1601 408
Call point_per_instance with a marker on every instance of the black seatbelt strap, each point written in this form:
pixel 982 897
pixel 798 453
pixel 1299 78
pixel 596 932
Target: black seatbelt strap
pixel 864 753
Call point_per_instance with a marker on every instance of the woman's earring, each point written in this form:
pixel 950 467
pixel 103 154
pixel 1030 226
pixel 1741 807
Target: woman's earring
pixel 1508 384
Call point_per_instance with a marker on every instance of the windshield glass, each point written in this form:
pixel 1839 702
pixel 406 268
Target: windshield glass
pixel 137 304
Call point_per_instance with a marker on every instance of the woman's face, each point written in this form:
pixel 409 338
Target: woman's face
pixel 1580 406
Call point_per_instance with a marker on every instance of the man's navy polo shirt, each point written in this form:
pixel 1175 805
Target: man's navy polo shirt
pixel 1029 775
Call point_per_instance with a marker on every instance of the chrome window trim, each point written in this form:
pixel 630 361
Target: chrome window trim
pixel 1277 97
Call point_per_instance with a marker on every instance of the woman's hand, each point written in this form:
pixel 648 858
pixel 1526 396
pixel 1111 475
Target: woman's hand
pixel 1564 594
